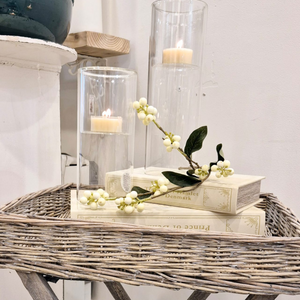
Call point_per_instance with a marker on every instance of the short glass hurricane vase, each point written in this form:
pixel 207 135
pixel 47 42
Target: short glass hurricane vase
pixel 174 80
pixel 106 124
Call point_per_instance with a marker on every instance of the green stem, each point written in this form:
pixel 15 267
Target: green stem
pixel 191 162
pixel 159 127
pixel 178 188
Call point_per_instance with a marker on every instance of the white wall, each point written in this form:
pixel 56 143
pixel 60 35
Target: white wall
pixel 250 81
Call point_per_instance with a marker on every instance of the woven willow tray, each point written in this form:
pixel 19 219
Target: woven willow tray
pixel 38 236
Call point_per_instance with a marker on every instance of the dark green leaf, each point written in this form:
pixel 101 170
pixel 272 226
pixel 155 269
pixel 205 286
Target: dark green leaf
pixel 141 191
pixel 220 152
pixel 191 173
pixel 195 140
pixel 220 155
pixel 180 179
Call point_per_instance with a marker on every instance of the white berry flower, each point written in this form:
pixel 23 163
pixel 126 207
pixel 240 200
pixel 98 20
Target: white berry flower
pixel 161 181
pixel 101 201
pixel 101 192
pixel 205 168
pixel 129 209
pixel 143 101
pixel 176 138
pixel 159 186
pixel 231 171
pixel 83 200
pixel 93 205
pixel 87 194
pixel 128 200
pixel 151 109
pixel 149 118
pixel 157 193
pixel 166 181
pixel 141 115
pixel 136 105
pixel 202 176
pixel 214 168
pixel 202 172
pixel 96 195
pixel 167 142
pixel 94 198
pixel 220 164
pixel 226 163
pixel 222 169
pixel 176 145
pixel 118 201
pixel 169 148
pixel 140 207
pixel 145 113
pixel 172 141
pixel 133 194
pixel 163 189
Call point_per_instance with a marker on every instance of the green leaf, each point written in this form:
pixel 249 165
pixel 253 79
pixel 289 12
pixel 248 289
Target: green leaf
pixel 220 152
pixel 195 141
pixel 191 173
pixel 180 179
pixel 220 155
pixel 141 191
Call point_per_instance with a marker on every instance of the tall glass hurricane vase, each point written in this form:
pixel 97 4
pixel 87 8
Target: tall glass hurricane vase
pixel 174 82
pixel 106 123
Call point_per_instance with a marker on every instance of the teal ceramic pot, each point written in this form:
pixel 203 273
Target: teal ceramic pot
pixel 42 19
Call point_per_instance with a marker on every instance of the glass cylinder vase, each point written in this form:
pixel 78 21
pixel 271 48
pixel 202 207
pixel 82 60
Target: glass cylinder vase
pixel 174 82
pixel 106 124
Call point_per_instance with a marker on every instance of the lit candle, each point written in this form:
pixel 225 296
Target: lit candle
pixel 177 55
pixel 106 123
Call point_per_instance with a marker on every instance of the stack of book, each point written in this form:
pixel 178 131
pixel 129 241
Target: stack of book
pixel 224 204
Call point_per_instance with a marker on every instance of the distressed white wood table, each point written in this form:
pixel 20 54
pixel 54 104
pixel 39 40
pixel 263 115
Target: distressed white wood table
pixel 39 289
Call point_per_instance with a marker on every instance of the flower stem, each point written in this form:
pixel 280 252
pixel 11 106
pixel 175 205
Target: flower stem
pixel 159 127
pixel 192 163
pixel 177 188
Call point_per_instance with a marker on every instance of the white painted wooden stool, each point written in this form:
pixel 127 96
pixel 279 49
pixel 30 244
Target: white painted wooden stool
pixel 30 148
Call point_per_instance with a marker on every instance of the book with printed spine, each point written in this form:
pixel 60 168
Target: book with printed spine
pixel 250 221
pixel 229 195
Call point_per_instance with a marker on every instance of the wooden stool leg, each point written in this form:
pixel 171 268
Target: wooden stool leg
pixel 117 290
pixel 37 286
pixel 198 295
pixel 261 297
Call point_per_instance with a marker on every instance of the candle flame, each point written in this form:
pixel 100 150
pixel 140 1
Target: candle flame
pixel 180 44
pixel 106 113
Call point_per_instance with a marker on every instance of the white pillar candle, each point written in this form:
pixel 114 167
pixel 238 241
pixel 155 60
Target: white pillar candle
pixel 106 123
pixel 177 55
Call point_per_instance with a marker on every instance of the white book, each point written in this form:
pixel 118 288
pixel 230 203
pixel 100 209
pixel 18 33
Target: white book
pixel 229 195
pixel 250 221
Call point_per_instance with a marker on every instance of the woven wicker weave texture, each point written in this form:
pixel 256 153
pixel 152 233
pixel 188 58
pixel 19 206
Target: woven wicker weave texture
pixel 38 236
